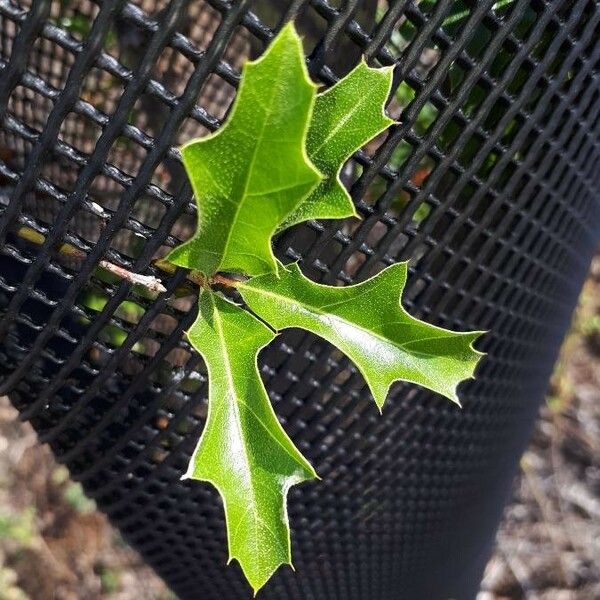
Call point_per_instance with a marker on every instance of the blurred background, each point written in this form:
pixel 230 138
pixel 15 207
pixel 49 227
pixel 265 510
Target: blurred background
pixel 55 546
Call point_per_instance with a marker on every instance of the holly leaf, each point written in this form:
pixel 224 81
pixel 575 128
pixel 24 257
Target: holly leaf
pixel 368 323
pixel 345 118
pixel 253 172
pixel 244 451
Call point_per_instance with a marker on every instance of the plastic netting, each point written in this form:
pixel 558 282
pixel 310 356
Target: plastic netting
pixel 489 184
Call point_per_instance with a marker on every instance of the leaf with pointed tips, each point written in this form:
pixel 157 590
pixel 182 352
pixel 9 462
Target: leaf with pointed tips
pixel 345 118
pixel 367 322
pixel 254 177
pixel 253 172
pixel 244 452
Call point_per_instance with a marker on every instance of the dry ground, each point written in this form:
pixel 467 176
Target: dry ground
pixel 548 547
pixel 54 546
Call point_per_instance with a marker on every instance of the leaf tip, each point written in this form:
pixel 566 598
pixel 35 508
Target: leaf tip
pixel 452 394
pixel 255 581
pixel 476 336
pixel 289 34
pixel 392 122
pixel 355 212
pixel 289 30
pixel 379 396
pixel 379 403
pixel 385 69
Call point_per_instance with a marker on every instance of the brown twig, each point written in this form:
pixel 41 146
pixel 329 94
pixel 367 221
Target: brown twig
pixel 221 279
pixel 148 281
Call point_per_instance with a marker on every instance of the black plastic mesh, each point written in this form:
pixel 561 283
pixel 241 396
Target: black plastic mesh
pixel 489 185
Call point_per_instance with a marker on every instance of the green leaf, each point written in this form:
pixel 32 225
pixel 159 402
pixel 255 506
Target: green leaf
pixel 367 322
pixel 244 452
pixel 254 177
pixel 459 12
pixel 250 175
pixel 345 118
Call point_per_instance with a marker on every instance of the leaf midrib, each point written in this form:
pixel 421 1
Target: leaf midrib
pixel 341 123
pixel 231 382
pixel 362 328
pixel 251 167
pixel 235 397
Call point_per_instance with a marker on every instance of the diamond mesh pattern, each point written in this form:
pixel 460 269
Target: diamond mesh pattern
pixel 489 184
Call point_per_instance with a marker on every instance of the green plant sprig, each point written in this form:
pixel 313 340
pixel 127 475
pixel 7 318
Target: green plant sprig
pixel 274 163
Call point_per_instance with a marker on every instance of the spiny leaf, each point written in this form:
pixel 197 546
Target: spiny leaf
pixel 244 452
pixel 345 117
pixel 367 322
pixel 250 175
pixel 252 178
